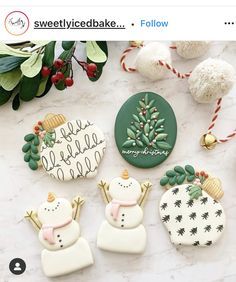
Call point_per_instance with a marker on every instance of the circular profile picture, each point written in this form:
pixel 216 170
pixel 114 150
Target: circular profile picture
pixel 16 23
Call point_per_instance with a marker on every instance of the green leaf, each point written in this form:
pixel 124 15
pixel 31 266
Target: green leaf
pixel 158 130
pixel 146 128
pixel 133 128
pixel 190 169
pixel 146 99
pixel 26 147
pixel 128 143
pixel 136 118
pixel 27 157
pixel 33 164
pixel 29 137
pixel 170 173
pixel 4 96
pixel 159 122
pixel 137 125
pixel 179 169
pixel 145 140
pixel 151 103
pixel 16 102
pixel 151 134
pixel 67 45
pixel 34 149
pixel 10 79
pixel 42 86
pixel 147 115
pixel 195 192
pixel 163 145
pixel 152 110
pixel 172 181
pixel 49 54
pixel 142 104
pixel 155 115
pixel 35 157
pixel 139 143
pixel 47 88
pixel 103 46
pixel 190 178
pixel 180 179
pixel 95 53
pixel 29 87
pixel 7 50
pixel 164 181
pixel 36 140
pixel 9 63
pixel 142 118
pixel 32 66
pixel 130 133
pixel 161 136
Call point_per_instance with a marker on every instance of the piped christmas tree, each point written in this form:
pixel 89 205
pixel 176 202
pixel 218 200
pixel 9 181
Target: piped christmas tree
pixel 147 128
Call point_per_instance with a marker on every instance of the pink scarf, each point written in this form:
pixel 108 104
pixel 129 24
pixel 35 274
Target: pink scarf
pixel 116 204
pixel 48 230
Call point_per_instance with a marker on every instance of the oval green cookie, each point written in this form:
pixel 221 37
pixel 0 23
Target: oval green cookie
pixel 145 130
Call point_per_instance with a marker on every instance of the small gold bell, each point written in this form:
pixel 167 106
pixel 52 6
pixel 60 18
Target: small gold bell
pixel 208 141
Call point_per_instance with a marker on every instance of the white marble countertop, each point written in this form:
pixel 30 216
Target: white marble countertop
pixel 22 188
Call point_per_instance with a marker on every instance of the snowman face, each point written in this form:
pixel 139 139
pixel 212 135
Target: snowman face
pixel 55 212
pixel 125 189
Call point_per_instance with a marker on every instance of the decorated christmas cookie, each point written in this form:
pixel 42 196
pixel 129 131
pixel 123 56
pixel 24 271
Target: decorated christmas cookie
pixel 122 230
pixel 145 130
pixel 66 150
pixel 65 251
pixel 190 209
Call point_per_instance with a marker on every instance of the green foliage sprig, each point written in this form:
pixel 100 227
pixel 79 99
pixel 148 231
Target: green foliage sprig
pixel 31 150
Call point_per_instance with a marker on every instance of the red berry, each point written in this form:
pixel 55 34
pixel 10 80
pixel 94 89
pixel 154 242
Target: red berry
pixel 36 128
pixel 40 123
pixel 58 63
pixel 55 79
pixel 91 67
pixel 45 71
pixel 60 75
pixel 69 81
pixel 90 74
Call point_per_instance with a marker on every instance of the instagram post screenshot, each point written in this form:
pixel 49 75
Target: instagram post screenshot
pixel 118 142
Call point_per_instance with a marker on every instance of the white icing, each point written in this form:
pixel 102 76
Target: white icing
pixel 131 241
pixel 194 219
pixel 128 217
pixel 125 189
pixel 77 152
pixel 67 252
pixel 65 261
pixel 124 233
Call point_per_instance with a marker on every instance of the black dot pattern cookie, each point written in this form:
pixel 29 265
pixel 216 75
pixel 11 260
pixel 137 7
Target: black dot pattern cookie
pixel 191 211
pixel 145 130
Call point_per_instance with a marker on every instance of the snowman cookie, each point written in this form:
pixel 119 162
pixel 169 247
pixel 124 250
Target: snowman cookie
pixel 190 208
pixel 145 130
pixel 65 149
pixel 122 230
pixel 59 233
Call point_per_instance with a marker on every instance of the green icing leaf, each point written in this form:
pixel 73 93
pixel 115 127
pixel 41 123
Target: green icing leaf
pixel 151 134
pixel 154 115
pixel 142 118
pixel 190 178
pixel 26 147
pixel 130 133
pixel 136 118
pixel 32 66
pixel 146 99
pixel 29 137
pixel 163 145
pixel 190 169
pixel 34 149
pixel 27 157
pixel 33 164
pixel 151 103
pixel 128 143
pixel 170 173
pixel 137 125
pixel 160 122
pixel 139 143
pixel 36 140
pixel 195 192
pixel 172 181
pixel 161 136
pixel 146 128
pixel 95 53
pixel 164 181
pixel 35 157
pixel 179 169
pixel 159 130
pixel 145 140
pixel 180 179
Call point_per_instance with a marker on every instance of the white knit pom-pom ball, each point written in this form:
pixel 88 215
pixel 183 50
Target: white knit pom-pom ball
pixel 147 60
pixel 211 80
pixel 191 49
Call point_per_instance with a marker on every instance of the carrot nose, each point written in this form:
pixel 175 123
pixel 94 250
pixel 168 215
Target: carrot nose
pixel 51 197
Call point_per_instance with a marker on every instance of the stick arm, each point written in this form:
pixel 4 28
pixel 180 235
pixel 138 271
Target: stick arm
pixel 32 217
pixel 76 204
pixel 146 187
pixel 104 187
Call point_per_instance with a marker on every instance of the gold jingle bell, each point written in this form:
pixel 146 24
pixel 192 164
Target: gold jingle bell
pixel 208 141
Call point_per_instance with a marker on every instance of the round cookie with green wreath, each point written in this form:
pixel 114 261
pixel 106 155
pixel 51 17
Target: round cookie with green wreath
pixel 145 130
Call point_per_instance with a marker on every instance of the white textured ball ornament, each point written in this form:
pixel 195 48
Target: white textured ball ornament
pixel 210 80
pixel 147 60
pixel 191 49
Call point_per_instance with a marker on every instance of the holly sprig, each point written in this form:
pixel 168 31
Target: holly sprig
pixel 178 175
pixel 31 150
pixel 146 129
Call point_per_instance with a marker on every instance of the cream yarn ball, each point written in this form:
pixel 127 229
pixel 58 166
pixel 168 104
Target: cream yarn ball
pixel 211 80
pixel 191 49
pixel 147 60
